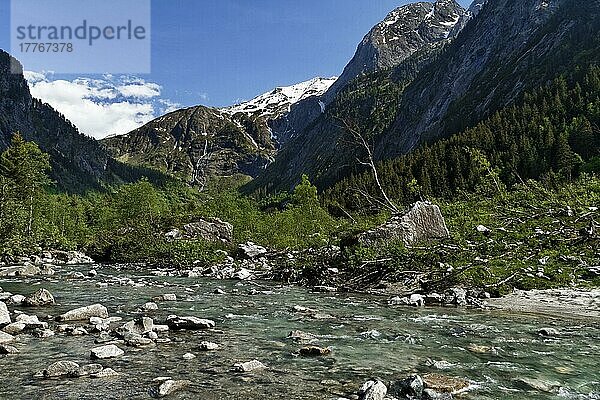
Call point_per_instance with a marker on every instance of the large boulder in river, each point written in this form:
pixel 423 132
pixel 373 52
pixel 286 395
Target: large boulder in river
pixel 84 313
pixel 31 321
pixel 372 390
pixel 213 230
pixel 422 222
pixel 59 369
pixel 108 351
pixel 40 298
pixel 191 323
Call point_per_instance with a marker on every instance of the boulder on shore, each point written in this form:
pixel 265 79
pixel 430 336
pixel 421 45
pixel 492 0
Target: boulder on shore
pixel 251 250
pixel 213 230
pixel 422 222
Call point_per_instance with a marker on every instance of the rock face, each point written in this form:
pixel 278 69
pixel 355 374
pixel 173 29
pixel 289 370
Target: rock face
pixel 507 48
pixel 83 313
pixel 103 352
pixel 200 142
pixel 40 298
pixel 372 390
pixel 422 222
pixel 197 143
pixel 190 323
pixel 403 32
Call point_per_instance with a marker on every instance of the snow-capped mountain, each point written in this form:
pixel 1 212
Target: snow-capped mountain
pixel 279 101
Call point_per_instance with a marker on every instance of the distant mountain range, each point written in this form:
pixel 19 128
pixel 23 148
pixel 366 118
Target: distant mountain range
pixel 427 71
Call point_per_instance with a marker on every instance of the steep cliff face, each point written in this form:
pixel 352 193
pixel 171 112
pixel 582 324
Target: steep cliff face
pixel 402 33
pixel 412 28
pixel 509 46
pixel 504 48
pixel 78 162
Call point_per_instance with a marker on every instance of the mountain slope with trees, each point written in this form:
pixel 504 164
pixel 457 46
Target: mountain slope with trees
pixel 509 47
pixel 78 162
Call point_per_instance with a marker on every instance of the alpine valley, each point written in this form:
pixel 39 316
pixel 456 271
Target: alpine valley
pixel 424 226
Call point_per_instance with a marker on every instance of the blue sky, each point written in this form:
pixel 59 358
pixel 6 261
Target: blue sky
pixel 218 52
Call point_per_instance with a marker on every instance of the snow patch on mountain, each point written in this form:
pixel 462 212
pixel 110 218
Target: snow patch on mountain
pixel 279 101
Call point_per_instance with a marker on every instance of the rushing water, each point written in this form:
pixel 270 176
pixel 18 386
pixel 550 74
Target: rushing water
pixel 368 339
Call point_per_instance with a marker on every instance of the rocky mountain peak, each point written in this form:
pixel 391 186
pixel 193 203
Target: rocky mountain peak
pixel 403 32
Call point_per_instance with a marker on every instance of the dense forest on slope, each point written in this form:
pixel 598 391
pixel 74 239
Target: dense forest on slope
pixel 554 130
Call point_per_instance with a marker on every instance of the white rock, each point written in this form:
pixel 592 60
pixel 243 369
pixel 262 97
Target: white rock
pixel 372 390
pixel 103 352
pixel 249 366
pixel 84 313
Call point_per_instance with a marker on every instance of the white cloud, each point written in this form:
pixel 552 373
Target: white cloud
pixel 140 91
pixel 102 107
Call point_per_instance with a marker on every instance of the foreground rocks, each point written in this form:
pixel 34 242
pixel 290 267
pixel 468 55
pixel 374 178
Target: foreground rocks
pixel 422 222
pixel 428 387
pixel 6 338
pixel 372 390
pixel 169 387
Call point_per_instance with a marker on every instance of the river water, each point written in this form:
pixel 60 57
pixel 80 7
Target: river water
pixel 368 339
